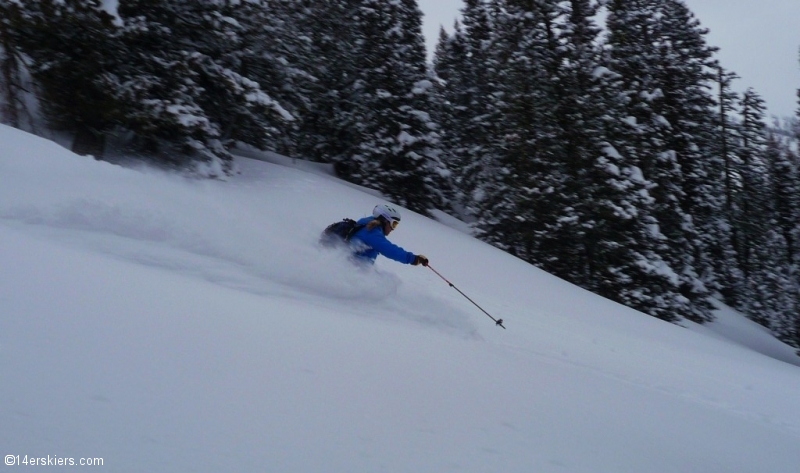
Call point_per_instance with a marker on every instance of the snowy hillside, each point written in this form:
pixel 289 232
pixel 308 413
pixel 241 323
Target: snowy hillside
pixel 164 324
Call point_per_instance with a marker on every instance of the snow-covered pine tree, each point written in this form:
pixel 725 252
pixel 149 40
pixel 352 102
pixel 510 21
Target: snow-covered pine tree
pixel 797 115
pixel 612 238
pixel 71 46
pixel 773 291
pixel 778 274
pixel 643 49
pixel 687 75
pixel 468 70
pixel 325 119
pixel 521 202
pixel 579 113
pixel 784 171
pixel 730 280
pixel 452 112
pixel 396 141
pixel 180 85
pixel 752 198
pixel 276 51
pixel 727 133
pixel 14 77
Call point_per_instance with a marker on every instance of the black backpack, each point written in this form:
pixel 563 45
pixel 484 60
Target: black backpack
pixel 340 232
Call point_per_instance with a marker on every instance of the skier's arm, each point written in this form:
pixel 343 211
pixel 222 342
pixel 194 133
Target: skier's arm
pixel 388 249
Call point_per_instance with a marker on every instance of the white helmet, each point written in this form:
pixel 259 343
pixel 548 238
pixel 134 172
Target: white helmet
pixel 388 213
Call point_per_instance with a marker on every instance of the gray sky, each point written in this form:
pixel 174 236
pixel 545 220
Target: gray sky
pixel 758 39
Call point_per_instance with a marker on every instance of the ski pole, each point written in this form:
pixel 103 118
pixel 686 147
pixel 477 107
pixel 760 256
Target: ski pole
pixel 496 321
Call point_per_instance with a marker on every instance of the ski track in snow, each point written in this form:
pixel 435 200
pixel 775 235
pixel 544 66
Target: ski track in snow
pixel 157 232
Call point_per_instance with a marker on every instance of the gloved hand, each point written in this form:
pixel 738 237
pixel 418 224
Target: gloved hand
pixel 420 259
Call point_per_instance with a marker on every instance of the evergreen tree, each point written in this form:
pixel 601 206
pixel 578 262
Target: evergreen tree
pixel 326 120
pixel 72 93
pixel 687 75
pixel 468 69
pixel 179 85
pixel 773 300
pixel 730 280
pixel 658 50
pixel 726 134
pixel 279 50
pixel 797 114
pixel 754 206
pixel 522 198
pixel 580 114
pixel 776 281
pixel 611 236
pixel 396 141
pixel 453 113
pixel 14 82
pixel 785 180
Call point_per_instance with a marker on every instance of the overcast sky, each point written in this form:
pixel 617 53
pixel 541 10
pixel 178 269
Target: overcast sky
pixel 758 39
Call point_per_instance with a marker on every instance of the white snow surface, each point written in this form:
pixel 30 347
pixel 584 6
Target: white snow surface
pixel 169 324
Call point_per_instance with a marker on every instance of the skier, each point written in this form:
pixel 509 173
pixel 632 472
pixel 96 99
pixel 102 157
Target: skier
pixel 370 241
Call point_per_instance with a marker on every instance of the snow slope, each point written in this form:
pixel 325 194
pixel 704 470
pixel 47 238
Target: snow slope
pixel 168 324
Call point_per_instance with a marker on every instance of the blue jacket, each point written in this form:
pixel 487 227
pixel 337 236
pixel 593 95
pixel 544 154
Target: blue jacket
pixel 368 244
